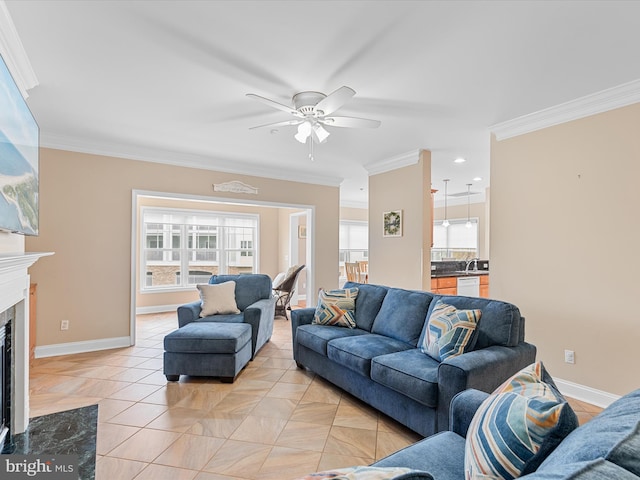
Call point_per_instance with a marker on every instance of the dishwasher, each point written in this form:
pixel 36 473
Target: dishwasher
pixel 469 286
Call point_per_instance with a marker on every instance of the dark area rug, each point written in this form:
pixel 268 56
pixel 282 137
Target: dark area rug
pixel 72 432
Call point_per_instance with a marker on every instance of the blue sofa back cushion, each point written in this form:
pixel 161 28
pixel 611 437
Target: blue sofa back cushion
pixel 250 287
pixel 368 303
pixel 402 315
pixel 609 435
pixel 500 323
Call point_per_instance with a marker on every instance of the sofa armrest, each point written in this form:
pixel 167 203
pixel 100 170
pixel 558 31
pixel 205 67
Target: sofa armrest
pixel 300 316
pixel 462 409
pixel 484 369
pixel 260 316
pixel 189 312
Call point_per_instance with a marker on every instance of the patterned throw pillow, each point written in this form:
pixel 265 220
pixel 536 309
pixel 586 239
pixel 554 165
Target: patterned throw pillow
pixel 449 331
pixel 517 426
pixel 336 307
pixel 370 473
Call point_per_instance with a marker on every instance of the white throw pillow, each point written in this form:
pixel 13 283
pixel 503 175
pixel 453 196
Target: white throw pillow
pixel 219 298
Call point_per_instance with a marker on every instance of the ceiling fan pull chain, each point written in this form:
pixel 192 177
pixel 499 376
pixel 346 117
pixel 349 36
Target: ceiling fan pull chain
pixel 311 148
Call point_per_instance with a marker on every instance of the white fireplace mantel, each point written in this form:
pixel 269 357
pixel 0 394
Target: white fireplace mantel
pixel 14 290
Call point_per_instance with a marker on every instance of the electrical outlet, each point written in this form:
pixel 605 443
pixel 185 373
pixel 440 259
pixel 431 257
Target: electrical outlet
pixel 569 356
pixel 64 324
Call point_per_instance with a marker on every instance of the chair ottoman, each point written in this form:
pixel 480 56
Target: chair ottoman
pixel 209 349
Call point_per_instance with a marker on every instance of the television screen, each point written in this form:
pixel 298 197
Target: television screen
pixel 19 157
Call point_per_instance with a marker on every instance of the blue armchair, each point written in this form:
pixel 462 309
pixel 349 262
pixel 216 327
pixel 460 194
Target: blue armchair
pixel 255 302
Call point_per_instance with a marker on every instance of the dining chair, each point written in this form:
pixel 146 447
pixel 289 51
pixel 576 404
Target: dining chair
pixel 363 271
pixel 351 269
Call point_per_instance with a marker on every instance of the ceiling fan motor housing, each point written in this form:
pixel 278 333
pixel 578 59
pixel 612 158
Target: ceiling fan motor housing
pixel 305 102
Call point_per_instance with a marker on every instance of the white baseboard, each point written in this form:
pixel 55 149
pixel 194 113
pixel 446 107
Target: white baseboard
pixel 157 309
pixel 585 394
pixel 81 347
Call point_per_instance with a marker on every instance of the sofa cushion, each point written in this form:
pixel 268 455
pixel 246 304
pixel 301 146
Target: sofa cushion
pixel 356 352
pixel 250 287
pixel 336 307
pixel 607 436
pixel 402 315
pixel 409 372
pixel 368 303
pixel 218 299
pixel 442 455
pixel 598 469
pixel 500 323
pixel 449 332
pixel 316 337
pixel 517 426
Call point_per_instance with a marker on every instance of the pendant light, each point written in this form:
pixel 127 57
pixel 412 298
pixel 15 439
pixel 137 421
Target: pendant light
pixel 468 224
pixel 445 223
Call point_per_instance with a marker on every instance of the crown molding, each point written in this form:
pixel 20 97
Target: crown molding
pixel 599 102
pixel 180 159
pixel 14 54
pixel 393 163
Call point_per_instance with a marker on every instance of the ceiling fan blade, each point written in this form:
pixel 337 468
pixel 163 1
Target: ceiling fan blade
pixel 278 124
pixel 273 104
pixel 350 122
pixel 335 100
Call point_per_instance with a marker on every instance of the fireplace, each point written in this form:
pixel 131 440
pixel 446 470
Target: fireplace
pixel 14 303
pixel 6 318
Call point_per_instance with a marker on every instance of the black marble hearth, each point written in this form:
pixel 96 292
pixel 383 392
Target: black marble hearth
pixel 72 432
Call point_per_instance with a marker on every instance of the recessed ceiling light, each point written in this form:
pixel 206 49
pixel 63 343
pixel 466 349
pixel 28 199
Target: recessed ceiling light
pixel 477 179
pixel 459 160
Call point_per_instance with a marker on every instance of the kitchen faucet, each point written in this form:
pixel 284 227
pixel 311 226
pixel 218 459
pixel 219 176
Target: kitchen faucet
pixel 475 268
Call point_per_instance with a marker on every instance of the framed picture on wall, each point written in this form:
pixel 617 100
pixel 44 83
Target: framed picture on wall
pixel 302 231
pixel 392 223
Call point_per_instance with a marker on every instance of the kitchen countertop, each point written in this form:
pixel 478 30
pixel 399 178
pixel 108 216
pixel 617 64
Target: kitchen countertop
pixel 459 273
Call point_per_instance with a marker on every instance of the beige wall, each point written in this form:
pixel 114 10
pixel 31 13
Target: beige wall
pixel 402 262
pixel 477 210
pixel 358 214
pixel 564 244
pixel 85 215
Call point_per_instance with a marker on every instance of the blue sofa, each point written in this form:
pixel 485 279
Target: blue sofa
pixel 605 448
pixel 380 363
pixel 255 301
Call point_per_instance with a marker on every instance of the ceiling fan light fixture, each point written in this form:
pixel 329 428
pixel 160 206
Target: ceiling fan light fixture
pixel 320 134
pixel 304 130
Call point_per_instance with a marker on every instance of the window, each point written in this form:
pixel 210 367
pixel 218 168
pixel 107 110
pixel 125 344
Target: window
pixel 457 241
pixel 184 247
pixel 353 243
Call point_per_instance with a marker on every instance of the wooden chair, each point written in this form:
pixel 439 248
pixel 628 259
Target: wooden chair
pixel 351 269
pixel 285 290
pixel 363 271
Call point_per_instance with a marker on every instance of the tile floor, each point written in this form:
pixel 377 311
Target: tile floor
pixel 274 422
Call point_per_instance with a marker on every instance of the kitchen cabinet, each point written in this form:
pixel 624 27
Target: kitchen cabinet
pixel 444 285
pixel 484 286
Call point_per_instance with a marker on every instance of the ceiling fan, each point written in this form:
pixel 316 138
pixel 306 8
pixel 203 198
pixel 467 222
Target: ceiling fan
pixel 313 111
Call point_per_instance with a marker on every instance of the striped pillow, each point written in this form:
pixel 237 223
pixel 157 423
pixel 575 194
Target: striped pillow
pixel 449 331
pixel 336 307
pixel 517 427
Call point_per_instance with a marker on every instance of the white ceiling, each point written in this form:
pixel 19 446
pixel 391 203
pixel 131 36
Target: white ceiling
pixel 166 80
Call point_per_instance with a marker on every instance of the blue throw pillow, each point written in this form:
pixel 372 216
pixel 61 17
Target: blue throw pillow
pixel 517 426
pixel 450 332
pixel 336 307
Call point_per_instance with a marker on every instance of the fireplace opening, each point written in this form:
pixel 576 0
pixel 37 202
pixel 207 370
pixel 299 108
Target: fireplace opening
pixel 6 319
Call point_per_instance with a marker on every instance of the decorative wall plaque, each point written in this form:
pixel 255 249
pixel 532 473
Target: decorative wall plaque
pixel 235 186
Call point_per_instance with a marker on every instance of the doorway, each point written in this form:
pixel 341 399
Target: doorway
pixel 275 239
